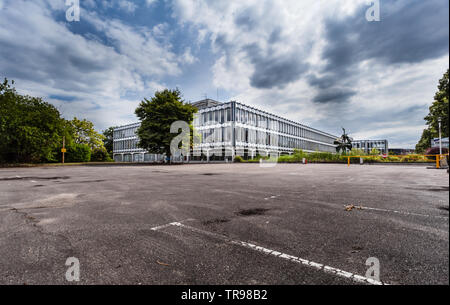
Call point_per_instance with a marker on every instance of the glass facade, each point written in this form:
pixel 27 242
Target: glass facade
pixel 235 126
pixel 368 145
pixel 228 129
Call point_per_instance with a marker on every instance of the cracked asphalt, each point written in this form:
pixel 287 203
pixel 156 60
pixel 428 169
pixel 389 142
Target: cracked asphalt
pixel 105 216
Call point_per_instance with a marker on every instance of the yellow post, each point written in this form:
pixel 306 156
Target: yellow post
pixel 348 164
pixel 437 161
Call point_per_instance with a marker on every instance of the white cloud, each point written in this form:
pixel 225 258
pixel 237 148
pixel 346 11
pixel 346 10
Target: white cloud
pixel 249 37
pixel 265 53
pixel 127 6
pixel 46 59
pixel 188 58
pixel 150 2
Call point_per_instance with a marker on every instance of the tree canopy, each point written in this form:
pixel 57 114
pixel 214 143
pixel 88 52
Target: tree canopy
pixel 108 139
pixel 84 133
pixel 32 130
pixel 438 109
pixel 157 115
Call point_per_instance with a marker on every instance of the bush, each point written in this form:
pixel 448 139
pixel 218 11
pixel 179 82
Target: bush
pixel 357 152
pixel 238 159
pixel 323 157
pixel 78 153
pixel 413 158
pixel 435 151
pixel 286 159
pixel 100 155
pixel 374 152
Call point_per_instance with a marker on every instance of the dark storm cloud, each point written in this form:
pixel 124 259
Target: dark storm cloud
pixel 274 71
pixel 409 32
pixel 333 95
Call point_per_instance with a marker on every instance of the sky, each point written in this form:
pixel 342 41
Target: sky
pixel 318 62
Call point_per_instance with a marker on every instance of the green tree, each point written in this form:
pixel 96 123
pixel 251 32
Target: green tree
pixel 100 155
pixel 439 109
pixel 157 115
pixel 84 133
pixel 30 129
pixel 78 153
pixel 108 139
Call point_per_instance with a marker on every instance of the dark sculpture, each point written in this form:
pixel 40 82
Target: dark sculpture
pixel 344 143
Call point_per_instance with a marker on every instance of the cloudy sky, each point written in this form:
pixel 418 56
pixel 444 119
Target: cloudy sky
pixel 319 62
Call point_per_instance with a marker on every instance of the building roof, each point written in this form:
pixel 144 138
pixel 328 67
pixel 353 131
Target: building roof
pixel 206 103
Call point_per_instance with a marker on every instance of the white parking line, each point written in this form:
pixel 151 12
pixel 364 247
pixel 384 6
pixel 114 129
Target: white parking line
pixel 169 224
pixel 402 212
pixel 298 260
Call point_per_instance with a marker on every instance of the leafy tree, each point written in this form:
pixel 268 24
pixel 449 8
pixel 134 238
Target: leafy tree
pixel 78 153
pixel 100 154
pixel 84 133
pixel 30 129
pixel 157 115
pixel 439 109
pixel 108 139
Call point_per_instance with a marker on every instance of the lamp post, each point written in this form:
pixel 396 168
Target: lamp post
pixel 440 137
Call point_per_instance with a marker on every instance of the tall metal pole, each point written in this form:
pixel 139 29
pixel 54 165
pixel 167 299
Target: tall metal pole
pixel 63 149
pixel 440 137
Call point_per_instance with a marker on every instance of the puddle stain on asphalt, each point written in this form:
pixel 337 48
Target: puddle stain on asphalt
pixel 251 212
pixel 33 178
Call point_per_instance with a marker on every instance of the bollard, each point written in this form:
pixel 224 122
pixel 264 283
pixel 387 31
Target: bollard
pixel 348 164
pixel 361 161
pixel 437 161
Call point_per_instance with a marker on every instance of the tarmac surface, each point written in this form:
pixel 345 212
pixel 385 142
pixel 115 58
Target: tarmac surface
pixel 224 224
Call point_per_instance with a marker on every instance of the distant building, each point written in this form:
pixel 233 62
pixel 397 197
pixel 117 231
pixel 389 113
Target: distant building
pixel 368 145
pixel 230 129
pixel 401 151
pixel 435 142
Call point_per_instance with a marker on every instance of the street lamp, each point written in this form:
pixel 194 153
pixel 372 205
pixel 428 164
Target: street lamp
pixel 440 137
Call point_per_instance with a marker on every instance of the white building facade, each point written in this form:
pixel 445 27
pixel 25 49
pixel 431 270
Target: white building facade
pixel 368 145
pixel 225 130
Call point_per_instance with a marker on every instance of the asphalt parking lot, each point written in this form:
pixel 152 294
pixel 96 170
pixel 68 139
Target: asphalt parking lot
pixel 224 224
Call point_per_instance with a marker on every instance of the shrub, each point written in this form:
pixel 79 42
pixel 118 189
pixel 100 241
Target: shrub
pixel 100 155
pixel 323 157
pixel 286 159
pixel 435 151
pixel 357 152
pixel 413 158
pixel 238 159
pixel 374 152
pixel 78 153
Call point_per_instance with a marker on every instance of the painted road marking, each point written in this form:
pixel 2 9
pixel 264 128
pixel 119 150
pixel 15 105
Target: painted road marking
pixel 298 260
pixel 402 212
pixel 169 224
pixel 381 210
